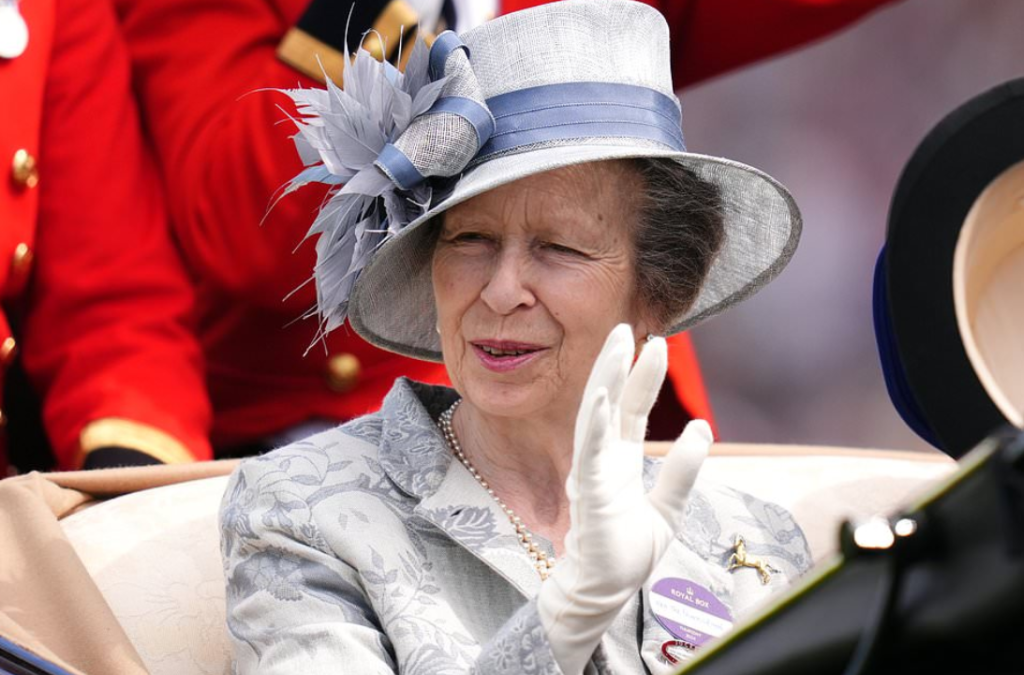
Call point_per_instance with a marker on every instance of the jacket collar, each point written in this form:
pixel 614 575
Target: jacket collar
pixel 415 456
pixel 412 449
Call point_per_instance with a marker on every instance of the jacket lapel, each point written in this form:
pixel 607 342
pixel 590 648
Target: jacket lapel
pixel 464 511
pixel 414 455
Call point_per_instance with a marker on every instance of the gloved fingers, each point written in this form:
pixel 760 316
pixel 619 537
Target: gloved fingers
pixel 586 460
pixel 642 388
pixel 609 372
pixel 611 367
pixel 679 471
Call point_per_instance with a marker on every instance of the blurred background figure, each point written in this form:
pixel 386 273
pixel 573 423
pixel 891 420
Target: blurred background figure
pixel 196 66
pixel 836 123
pixel 94 327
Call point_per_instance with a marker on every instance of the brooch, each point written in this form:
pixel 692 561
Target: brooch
pixel 740 558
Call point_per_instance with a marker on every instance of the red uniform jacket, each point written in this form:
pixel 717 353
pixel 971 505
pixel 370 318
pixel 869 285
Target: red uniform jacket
pixel 88 272
pixel 225 152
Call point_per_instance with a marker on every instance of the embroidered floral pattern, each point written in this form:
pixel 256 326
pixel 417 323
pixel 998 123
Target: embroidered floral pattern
pixel 521 650
pixel 340 554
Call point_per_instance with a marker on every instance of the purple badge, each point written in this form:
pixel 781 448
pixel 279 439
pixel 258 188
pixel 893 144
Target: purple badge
pixel 688 611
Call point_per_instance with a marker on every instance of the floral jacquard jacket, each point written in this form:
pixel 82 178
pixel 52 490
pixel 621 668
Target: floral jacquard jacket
pixel 367 549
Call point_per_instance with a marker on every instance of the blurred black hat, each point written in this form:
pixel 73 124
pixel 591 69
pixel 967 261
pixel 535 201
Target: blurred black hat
pixel 949 283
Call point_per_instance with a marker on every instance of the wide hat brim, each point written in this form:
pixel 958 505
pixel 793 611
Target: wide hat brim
pixel 948 171
pixel 392 305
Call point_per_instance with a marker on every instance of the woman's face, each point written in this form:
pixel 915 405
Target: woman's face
pixel 529 279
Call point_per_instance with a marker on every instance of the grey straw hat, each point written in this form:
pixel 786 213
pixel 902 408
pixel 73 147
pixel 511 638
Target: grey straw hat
pixel 566 83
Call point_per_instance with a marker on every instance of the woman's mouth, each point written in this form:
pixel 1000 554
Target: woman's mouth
pixel 503 356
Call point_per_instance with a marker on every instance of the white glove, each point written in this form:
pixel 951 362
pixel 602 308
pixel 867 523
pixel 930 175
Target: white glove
pixel 618 533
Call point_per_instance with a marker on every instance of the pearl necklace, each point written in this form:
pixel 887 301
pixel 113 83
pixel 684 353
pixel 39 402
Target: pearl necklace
pixel 540 559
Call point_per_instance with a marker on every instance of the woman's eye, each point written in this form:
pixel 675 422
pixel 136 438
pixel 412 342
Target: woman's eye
pixel 562 248
pixel 467 238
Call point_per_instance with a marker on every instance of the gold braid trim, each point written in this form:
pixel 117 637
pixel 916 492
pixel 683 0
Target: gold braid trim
pixel 122 433
pixel 300 50
pixel 388 29
pixel 395 25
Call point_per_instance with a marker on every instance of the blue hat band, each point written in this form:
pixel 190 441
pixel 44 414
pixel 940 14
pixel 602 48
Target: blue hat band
pixel 575 110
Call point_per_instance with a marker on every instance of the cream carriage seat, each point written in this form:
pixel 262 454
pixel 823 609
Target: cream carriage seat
pixel 154 554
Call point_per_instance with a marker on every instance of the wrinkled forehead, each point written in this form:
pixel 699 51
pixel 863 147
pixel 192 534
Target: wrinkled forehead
pixel 596 194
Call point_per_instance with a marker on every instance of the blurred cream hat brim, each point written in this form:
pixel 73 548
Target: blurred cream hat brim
pixel 988 291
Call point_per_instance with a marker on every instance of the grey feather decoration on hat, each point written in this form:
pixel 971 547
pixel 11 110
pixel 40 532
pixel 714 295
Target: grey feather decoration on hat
pixel 377 140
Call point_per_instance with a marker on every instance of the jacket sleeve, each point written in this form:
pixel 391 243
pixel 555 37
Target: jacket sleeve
pixel 205 73
pixel 295 607
pixel 107 340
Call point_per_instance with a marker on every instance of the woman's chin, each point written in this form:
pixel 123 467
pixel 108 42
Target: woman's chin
pixel 518 400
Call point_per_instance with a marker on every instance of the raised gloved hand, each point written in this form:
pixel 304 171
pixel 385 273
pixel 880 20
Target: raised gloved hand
pixel 618 532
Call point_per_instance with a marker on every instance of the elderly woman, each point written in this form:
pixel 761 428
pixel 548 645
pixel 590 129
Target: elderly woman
pixel 518 203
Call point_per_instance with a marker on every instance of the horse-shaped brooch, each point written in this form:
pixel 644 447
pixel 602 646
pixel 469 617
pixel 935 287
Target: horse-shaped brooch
pixel 740 558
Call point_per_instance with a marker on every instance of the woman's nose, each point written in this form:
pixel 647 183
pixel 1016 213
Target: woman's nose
pixel 508 289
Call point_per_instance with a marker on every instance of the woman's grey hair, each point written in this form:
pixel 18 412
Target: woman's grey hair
pixel 679 231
